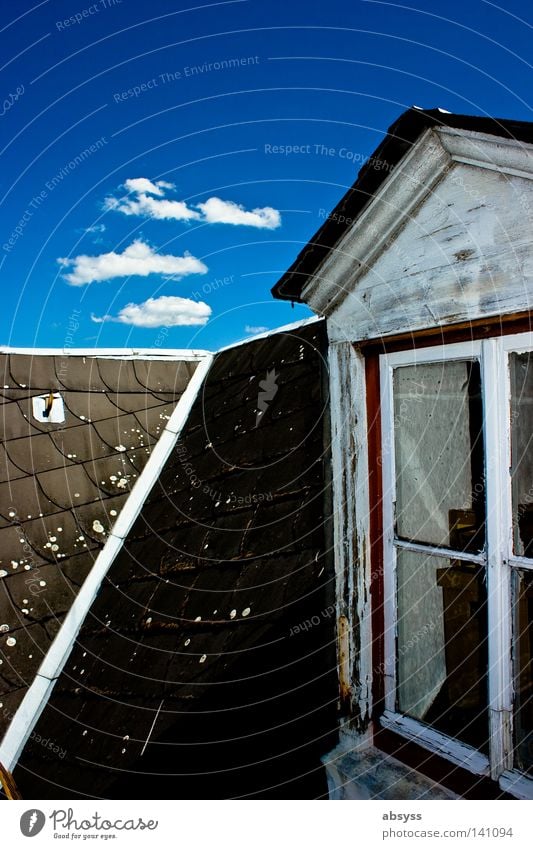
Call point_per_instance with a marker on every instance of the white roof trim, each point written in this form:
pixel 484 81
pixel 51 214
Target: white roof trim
pixel 112 353
pixel 54 661
pixel 287 328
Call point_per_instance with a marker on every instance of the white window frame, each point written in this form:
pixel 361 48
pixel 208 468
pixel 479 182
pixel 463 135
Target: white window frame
pixel 497 556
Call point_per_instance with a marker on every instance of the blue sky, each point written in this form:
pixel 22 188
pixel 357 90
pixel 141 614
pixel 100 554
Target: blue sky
pixel 162 165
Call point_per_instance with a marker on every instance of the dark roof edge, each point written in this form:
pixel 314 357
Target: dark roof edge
pixel 401 136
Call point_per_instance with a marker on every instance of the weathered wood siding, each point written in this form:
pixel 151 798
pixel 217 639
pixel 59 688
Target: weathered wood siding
pixel 465 253
pixel 351 539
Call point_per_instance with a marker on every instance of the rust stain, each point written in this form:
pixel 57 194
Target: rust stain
pixel 8 784
pixel 343 636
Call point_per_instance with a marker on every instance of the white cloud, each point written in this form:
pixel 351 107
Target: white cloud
pixel 141 201
pixel 143 204
pixel 142 184
pixel 166 311
pixel 252 329
pixel 96 228
pixel 138 259
pixel 217 211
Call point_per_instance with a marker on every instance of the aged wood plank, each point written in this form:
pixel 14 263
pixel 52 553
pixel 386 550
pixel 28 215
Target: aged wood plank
pixel 351 544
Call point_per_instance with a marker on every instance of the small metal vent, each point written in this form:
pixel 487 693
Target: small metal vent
pixel 49 408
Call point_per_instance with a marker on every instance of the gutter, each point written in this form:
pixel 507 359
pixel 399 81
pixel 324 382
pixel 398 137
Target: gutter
pixel 186 354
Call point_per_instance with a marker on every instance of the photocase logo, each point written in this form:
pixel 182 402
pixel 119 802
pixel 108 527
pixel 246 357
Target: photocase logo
pixel 268 389
pixel 32 822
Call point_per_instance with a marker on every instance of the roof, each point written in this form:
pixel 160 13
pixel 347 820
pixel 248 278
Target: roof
pixel 401 136
pixel 63 484
pixel 205 666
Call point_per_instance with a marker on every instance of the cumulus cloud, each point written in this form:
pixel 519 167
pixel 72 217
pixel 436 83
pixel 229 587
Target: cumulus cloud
pixel 148 199
pixel 217 211
pixel 166 311
pixel 138 259
pixel 252 329
pixel 144 204
pixel 142 184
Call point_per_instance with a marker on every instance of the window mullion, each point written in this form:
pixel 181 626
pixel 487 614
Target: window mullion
pixel 438 551
pixel 389 498
pixel 498 569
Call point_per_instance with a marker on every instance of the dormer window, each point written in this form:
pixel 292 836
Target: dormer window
pixel 457 447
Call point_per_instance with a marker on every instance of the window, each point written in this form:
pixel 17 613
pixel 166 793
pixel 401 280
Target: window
pixel 457 459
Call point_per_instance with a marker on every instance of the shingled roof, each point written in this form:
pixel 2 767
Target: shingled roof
pixel 63 483
pixel 205 666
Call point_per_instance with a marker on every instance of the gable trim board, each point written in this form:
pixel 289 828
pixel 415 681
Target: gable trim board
pixel 404 189
pixel 39 692
pixel 394 204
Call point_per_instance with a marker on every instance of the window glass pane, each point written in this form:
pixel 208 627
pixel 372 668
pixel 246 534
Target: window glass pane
pixel 442 645
pixel 524 671
pixel 440 493
pixel 521 366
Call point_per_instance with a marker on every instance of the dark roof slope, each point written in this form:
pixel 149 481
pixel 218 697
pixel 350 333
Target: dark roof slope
pixel 63 485
pixel 401 136
pixel 206 667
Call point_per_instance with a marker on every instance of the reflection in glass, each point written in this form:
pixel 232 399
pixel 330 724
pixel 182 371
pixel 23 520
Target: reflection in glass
pixel 442 645
pixel 524 671
pixel 440 485
pixel 521 366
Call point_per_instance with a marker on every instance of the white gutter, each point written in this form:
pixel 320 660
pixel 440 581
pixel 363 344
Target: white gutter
pixel 54 661
pixel 111 353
